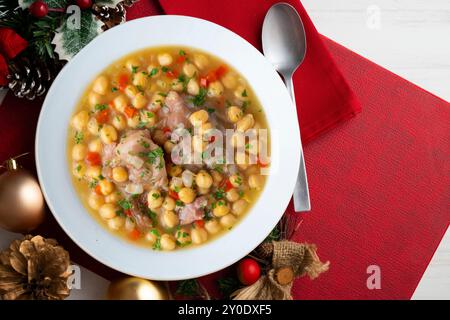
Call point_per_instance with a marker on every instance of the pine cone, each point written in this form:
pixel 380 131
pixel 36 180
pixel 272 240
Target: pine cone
pixel 265 250
pixel 34 268
pixel 112 16
pixel 28 79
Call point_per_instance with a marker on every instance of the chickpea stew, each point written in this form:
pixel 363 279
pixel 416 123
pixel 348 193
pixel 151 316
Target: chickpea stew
pixel 122 138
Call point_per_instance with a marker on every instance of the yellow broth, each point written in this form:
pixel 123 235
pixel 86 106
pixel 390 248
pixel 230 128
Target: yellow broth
pixel 130 100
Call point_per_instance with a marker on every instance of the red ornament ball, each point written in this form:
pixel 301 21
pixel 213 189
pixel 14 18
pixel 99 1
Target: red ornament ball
pixel 38 9
pixel 248 271
pixel 84 4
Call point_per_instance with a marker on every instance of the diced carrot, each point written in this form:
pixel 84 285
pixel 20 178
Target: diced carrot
pixel 173 194
pixel 172 74
pixel 102 116
pixel 203 82
pixel 123 81
pixel 93 158
pixel 211 76
pixel 262 164
pixel 199 223
pixel 220 71
pixel 128 212
pixel 98 190
pixel 130 111
pixel 135 234
pixel 181 59
pixel 228 185
pixel 166 130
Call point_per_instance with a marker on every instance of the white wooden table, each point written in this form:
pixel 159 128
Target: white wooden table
pixel 410 38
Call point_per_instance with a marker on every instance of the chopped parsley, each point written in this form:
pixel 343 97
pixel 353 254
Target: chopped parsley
pixel 114 89
pixel 145 144
pixel 248 146
pixel 153 72
pixel 179 203
pixel 153 155
pixel 228 103
pixel 93 183
pixel 100 107
pixel 152 215
pixel 157 244
pixel 245 104
pixel 78 168
pixel 165 69
pixel 162 94
pixel 182 53
pixel 244 93
pixel 156 196
pixel 134 69
pixel 200 98
pixel 210 110
pixel 149 114
pixel 79 136
pixel 219 194
pixel 125 204
pixel 241 193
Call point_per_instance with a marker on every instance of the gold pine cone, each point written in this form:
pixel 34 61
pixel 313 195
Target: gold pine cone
pixel 34 268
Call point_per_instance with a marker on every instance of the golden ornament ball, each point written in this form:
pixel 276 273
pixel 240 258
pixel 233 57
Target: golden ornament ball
pixel 21 200
pixel 133 288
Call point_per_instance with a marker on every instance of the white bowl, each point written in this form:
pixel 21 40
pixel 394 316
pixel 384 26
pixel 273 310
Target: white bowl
pixel 54 174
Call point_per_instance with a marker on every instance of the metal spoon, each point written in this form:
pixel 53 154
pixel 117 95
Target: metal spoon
pixel 284 44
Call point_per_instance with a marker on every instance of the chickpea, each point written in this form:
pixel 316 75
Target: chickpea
pixel 168 204
pixel 177 85
pixel 187 195
pixel 162 84
pixel 241 93
pixel 228 220
pixel 108 211
pixel 168 146
pixel 199 235
pixel 232 195
pixel 203 191
pixel 165 59
pixel 154 199
pixel 149 118
pixel 159 137
pixel 156 102
pixel 189 69
pixel 94 171
pixel 120 174
pixel 108 134
pixel 101 85
pixel 79 169
pixel 93 126
pixel 116 223
pixel 132 64
pixel 242 161
pixel 238 140
pixel 252 169
pixel 217 177
pixel 212 226
pixel 80 120
pixel 239 207
pixel 140 80
pixel 203 179
pixel 94 99
pixel 235 180
pixel 134 121
pixel 167 242
pixel 204 128
pixel 198 144
pixel 255 181
pixel 221 208
pixel 131 91
pixel 245 123
pixel 129 225
pixel 183 236
pixel 79 152
pixel 215 89
pixel 119 122
pixel 199 117
pixel 113 197
pixel 139 101
pixel 229 81
pixel 193 87
pixel 151 237
pixel 169 219
pixel 106 187
pixel 95 201
pixel 174 170
pixel 234 114
pixel 200 60
pixel 120 102
pixel 95 146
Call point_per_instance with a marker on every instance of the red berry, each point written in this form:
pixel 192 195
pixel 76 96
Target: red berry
pixel 84 4
pixel 38 9
pixel 248 271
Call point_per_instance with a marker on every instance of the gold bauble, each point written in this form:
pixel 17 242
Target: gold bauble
pixel 21 200
pixel 136 289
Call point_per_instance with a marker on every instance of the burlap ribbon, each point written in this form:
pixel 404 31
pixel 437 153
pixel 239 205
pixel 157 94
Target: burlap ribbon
pixel 303 260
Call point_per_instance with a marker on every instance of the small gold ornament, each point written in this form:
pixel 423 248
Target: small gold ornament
pixel 34 268
pixel 22 203
pixel 133 288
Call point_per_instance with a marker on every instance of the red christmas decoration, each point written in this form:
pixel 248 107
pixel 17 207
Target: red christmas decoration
pixel 11 44
pixel 38 9
pixel 84 4
pixel 248 271
pixel 3 72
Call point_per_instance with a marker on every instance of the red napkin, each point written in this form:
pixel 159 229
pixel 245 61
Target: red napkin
pixel 323 96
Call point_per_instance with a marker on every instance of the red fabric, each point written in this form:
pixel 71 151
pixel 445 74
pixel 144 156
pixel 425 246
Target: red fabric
pixel 379 183
pixel 3 71
pixel 11 44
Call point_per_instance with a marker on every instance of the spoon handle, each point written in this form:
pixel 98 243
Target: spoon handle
pixel 301 191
